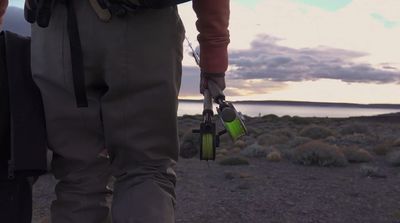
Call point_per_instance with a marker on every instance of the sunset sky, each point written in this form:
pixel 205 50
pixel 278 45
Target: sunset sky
pixel 308 50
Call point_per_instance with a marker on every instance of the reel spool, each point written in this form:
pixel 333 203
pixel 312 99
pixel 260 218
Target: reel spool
pixel 232 121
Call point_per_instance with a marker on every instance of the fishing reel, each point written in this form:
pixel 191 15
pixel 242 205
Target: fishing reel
pixel 38 11
pixel 231 119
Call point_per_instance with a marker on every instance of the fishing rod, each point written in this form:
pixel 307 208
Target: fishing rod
pixel 232 121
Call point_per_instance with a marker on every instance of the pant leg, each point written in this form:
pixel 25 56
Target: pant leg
pixel 143 72
pixel 74 134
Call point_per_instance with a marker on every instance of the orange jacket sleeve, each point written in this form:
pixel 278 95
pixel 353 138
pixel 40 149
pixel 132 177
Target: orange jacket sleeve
pixel 212 24
pixel 3 7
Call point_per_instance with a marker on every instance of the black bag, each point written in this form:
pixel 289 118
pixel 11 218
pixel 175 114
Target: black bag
pixel 22 129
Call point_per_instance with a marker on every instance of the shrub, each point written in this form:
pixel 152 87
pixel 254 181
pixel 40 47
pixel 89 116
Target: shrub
pixel 190 145
pixel 222 152
pixel 274 156
pixel 355 154
pixel 286 133
pixel 354 128
pixel 240 143
pixel 270 118
pixel 394 158
pixel 300 121
pixel 270 139
pixel 319 153
pixel 396 143
pixel 236 150
pixel 315 132
pixel 252 131
pixel 254 150
pixel 298 141
pixel 234 161
pixel 384 148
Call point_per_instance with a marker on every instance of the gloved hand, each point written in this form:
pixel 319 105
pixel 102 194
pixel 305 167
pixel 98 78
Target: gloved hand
pixel 218 78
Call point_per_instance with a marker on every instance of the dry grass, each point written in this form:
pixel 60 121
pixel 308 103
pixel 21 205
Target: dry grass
pixel 316 132
pixel 354 154
pixel 320 154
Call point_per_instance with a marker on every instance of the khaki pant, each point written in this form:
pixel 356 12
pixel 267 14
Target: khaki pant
pixel 133 73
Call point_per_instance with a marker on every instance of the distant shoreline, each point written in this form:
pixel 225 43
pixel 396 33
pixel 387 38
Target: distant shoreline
pixel 309 104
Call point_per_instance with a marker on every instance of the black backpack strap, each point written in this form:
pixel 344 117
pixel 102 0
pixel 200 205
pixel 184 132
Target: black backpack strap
pixel 40 12
pixel 78 73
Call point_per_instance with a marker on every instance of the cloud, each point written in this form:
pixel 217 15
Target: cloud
pixel 267 60
pixel 387 23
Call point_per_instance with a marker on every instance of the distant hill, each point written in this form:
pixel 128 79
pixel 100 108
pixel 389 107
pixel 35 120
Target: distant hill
pixel 314 104
pixel 14 21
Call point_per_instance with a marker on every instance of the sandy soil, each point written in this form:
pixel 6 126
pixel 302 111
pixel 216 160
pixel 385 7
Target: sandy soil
pixel 272 192
pixel 280 192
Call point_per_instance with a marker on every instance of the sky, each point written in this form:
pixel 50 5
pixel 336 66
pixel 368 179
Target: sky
pixel 306 50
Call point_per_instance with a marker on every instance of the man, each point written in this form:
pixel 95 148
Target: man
pixel 133 71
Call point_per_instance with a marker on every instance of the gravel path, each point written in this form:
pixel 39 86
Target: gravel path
pixel 272 192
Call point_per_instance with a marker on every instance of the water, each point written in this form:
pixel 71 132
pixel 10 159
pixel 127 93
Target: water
pixel 193 108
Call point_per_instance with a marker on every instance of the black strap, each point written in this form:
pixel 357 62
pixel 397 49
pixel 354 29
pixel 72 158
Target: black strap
pixel 78 73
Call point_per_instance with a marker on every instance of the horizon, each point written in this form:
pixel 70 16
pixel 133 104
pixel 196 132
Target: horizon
pixel 306 50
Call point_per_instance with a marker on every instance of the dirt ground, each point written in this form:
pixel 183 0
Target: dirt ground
pixel 272 192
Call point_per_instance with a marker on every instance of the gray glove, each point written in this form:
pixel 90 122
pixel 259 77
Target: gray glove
pixel 218 78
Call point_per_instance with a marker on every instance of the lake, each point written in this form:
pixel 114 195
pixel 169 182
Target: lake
pixel 193 108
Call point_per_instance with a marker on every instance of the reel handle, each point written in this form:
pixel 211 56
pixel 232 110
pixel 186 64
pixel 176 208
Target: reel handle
pixel 215 92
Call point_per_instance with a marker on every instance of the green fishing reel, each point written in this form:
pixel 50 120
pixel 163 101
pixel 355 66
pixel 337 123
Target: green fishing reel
pixel 231 119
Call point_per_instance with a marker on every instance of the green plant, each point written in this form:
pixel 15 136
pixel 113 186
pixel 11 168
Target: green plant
pixel 320 154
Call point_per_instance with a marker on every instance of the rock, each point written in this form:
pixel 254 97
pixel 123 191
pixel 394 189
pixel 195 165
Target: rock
pixel 244 186
pixel 371 171
pixel 290 203
pixel 229 175
pixel 244 175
